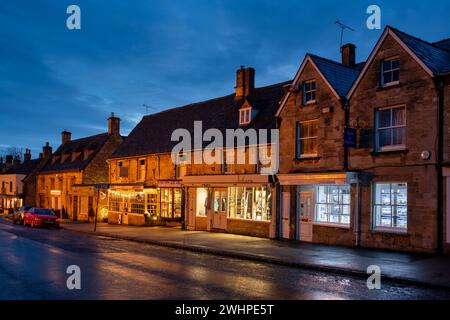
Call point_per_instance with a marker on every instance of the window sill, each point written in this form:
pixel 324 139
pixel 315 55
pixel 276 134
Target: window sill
pixel 393 151
pixel 394 232
pixel 305 158
pixel 331 225
pixel 388 86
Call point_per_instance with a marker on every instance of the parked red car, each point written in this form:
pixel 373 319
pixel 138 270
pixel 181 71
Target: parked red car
pixel 39 217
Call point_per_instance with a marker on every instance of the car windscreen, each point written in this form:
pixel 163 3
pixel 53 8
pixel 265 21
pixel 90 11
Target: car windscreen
pixel 44 212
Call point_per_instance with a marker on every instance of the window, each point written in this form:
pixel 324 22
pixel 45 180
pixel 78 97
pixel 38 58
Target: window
pixel 114 202
pixel 391 128
pixel 201 201
pixel 123 171
pixel 307 139
pixel 141 169
pixel 220 201
pixel 171 202
pixel 249 203
pixel 10 186
pixel 309 92
pixel 390 206
pixel 245 116
pixel 390 72
pixel 333 204
pixel 137 204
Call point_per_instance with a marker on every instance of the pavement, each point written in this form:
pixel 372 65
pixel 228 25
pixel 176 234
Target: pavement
pixel 407 268
pixel 425 270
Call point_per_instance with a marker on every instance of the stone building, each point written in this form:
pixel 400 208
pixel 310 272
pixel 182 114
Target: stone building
pixel 147 185
pixel 16 185
pixel 73 181
pixel 317 189
pixel 400 107
pixel 364 148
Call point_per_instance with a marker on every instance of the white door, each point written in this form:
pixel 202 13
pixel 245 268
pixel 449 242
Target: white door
pixel 220 202
pixel 286 214
pixel 306 216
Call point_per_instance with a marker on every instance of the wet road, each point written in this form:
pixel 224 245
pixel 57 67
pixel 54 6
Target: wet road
pixel 33 265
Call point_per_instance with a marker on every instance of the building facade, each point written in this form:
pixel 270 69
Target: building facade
pixel 147 185
pixel 363 148
pixel 74 181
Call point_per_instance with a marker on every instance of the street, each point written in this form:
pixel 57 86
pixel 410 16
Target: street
pixel 33 265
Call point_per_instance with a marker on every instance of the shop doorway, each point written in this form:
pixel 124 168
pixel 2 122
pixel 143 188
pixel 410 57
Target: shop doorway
pixel 306 216
pixel 220 200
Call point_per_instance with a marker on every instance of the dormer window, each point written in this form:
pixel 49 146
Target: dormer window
pixel 309 92
pixel 245 116
pixel 390 72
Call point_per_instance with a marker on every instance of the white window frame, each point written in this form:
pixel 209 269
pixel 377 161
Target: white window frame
pixel 311 101
pixel 383 72
pixel 245 116
pixel 378 129
pixel 299 139
pixel 340 204
pixel 375 205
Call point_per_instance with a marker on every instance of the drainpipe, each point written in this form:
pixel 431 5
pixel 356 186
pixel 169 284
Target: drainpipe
pixel 345 107
pixel 279 193
pixel 439 82
pixel 358 215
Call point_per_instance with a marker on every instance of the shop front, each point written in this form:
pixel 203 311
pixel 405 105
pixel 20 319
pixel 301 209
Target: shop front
pixel 144 205
pixel 319 207
pixel 232 204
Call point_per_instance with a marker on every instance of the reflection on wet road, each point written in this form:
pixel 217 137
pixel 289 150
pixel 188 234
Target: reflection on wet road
pixel 33 265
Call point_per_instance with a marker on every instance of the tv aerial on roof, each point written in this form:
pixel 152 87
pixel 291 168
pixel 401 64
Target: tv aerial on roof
pixel 343 28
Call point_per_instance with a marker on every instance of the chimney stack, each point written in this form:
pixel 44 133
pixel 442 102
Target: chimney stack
pixel 27 155
pixel 47 150
pixel 245 82
pixel 17 160
pixel 9 159
pixel 349 55
pixel 113 125
pixel 66 136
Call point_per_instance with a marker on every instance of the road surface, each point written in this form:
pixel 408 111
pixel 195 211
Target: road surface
pixel 33 264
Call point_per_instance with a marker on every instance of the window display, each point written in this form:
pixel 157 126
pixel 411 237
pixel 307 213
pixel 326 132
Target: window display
pixel 333 204
pixel 249 203
pixel 390 205
pixel 201 202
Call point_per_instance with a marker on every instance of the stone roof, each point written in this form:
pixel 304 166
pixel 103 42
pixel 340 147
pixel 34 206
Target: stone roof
pixel 92 143
pixel 153 134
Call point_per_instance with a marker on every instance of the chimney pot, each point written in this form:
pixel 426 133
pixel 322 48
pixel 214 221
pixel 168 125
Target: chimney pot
pixel 113 124
pixel 66 136
pixel 245 82
pixel 27 155
pixel 349 55
pixel 47 150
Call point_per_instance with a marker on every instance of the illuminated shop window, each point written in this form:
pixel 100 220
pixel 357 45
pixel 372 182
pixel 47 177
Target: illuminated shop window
pixel 333 204
pixel 201 202
pixel 249 203
pixel 390 206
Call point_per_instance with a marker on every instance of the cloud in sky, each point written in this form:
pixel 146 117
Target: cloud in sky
pixel 165 54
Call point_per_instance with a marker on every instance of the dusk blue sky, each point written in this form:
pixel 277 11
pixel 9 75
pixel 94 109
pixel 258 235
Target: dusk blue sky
pixel 166 53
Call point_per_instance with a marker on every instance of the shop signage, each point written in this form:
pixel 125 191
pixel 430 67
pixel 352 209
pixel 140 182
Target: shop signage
pixel 55 192
pixel 169 184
